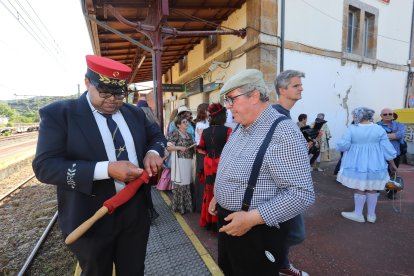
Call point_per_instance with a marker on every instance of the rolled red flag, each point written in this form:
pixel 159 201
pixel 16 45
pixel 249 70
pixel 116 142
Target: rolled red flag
pixel 109 206
pixel 126 193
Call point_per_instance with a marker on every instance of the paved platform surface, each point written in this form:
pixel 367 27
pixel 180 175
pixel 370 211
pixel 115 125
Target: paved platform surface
pixel 170 250
pixel 336 246
pixel 173 248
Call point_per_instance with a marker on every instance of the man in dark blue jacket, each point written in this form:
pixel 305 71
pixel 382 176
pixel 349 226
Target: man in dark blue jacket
pixel 90 148
pixel 289 89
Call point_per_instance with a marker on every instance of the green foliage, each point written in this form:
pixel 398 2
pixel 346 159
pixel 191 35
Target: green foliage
pixel 7 111
pixel 27 110
pixel 21 119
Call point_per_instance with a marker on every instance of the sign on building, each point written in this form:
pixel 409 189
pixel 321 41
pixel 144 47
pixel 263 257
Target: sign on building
pixel 168 87
pixel 194 86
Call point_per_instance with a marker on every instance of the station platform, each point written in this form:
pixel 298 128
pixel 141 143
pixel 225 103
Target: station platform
pixel 173 248
pixel 333 245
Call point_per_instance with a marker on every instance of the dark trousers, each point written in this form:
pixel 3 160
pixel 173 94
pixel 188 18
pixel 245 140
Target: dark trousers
pixel 295 236
pixel 125 246
pixel 258 252
pixel 198 187
pixel 315 153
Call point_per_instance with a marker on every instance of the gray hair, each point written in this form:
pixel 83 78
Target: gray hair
pixel 362 113
pixel 321 116
pixel 250 87
pixel 283 79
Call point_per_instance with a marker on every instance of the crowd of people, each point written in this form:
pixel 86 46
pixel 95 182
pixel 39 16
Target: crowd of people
pixel 243 165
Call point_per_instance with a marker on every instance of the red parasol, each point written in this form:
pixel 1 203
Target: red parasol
pixel 109 206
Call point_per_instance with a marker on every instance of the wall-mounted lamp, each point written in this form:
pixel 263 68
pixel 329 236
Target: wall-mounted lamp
pixel 215 64
pixel 220 77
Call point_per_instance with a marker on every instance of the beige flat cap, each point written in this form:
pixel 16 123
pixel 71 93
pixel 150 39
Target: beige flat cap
pixel 247 76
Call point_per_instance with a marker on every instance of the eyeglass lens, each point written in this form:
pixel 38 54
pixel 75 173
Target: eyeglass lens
pixel 107 94
pixel 388 114
pixel 228 100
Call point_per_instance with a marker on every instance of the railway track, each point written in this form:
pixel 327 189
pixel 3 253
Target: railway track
pixel 16 136
pixel 31 242
pixel 9 141
pixel 39 243
pixel 44 235
pixel 18 186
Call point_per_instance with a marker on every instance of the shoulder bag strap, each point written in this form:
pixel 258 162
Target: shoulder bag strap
pixel 251 185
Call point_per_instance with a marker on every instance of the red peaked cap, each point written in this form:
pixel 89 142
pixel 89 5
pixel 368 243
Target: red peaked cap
pixel 105 71
pixel 215 109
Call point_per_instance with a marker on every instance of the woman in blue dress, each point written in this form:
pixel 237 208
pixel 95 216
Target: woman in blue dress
pixel 364 166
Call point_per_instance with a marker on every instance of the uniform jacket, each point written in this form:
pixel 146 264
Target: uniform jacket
pixel 68 149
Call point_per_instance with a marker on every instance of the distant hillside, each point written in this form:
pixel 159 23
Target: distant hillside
pixel 29 105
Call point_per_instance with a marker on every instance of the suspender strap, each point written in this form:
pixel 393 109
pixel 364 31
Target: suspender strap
pixel 258 161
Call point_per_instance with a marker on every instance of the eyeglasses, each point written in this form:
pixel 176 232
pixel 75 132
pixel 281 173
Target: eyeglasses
pixel 184 122
pixel 105 94
pixel 230 100
pixel 387 114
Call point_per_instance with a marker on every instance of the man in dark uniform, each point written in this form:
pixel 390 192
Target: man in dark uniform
pixel 90 148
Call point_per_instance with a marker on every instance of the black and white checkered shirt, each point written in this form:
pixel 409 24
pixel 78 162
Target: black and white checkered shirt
pixel 284 187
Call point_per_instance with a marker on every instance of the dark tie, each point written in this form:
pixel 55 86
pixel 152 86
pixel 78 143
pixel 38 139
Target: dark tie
pixel 119 143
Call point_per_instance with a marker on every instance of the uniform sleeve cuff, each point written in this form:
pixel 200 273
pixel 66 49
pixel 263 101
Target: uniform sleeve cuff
pixel 101 171
pixel 154 151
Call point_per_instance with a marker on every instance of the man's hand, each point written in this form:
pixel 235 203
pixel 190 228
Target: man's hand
pixel 320 133
pixel 392 136
pixel 181 148
pixel 124 171
pixel 212 207
pixel 393 168
pixel 152 163
pixel 241 222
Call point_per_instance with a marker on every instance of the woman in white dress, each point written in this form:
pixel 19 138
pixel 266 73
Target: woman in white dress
pixel 181 145
pixel 364 166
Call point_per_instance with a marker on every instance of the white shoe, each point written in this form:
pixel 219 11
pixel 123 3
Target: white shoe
pixel 292 271
pixel 372 218
pixel 353 216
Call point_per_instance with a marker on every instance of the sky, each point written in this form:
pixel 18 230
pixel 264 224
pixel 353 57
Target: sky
pixel 43 52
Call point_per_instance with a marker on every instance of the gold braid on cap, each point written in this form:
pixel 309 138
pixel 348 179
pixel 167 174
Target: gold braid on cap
pixel 110 81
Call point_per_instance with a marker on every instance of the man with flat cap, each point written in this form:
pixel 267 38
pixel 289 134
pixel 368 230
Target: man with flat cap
pixel 263 180
pixel 90 148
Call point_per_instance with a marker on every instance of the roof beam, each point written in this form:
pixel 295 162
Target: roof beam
pixel 212 6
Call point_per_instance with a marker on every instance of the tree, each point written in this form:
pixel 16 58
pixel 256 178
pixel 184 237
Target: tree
pixel 7 111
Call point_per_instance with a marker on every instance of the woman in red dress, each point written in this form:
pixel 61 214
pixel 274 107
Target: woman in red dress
pixel 212 141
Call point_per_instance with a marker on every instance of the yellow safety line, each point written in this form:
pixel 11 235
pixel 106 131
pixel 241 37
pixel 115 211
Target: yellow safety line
pixel 205 256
